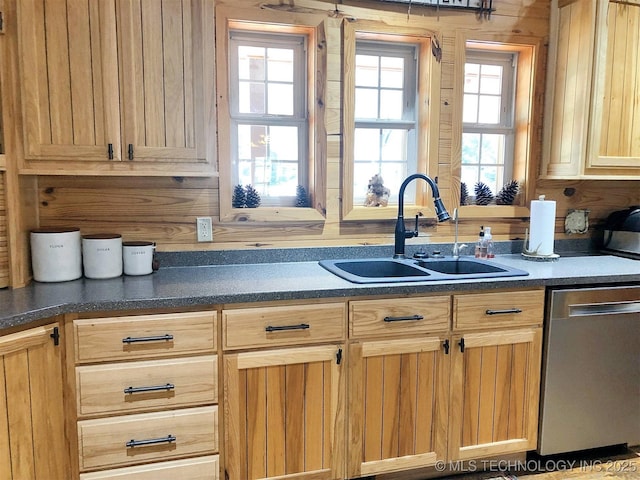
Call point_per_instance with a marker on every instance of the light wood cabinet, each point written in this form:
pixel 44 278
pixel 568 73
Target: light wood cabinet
pixel 4 236
pixel 33 444
pixel 284 404
pixel 592 119
pixel 146 391
pixel 398 398
pixel 495 379
pixel 126 85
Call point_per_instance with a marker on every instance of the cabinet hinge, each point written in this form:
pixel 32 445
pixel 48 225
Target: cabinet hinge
pixel 1 22
pixel 110 151
pixel 339 356
pixel 461 343
pixel 56 336
pixel 130 151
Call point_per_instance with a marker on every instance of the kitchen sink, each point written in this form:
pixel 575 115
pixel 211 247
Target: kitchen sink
pixel 389 270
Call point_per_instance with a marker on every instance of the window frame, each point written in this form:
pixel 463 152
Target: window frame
pixel 509 61
pixel 299 117
pixel 528 91
pixel 427 109
pixel 265 21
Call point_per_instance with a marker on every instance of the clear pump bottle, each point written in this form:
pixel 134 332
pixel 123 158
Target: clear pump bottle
pixel 481 245
pixel 488 238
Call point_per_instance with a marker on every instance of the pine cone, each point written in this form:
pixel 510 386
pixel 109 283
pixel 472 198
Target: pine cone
pixel 507 195
pixel 302 199
pixel 239 197
pixel 464 193
pixel 253 197
pixel 483 194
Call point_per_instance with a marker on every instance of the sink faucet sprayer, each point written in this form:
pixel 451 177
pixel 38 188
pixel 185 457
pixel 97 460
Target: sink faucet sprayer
pixel 401 233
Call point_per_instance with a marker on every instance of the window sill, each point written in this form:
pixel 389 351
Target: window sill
pixel 493 211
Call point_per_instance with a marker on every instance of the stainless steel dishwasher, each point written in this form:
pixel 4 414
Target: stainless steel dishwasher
pixel 591 370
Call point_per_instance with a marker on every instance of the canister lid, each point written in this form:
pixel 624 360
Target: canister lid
pixel 55 230
pixel 101 236
pixel 137 244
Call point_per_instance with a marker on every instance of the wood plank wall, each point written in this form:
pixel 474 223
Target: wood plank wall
pixel 4 248
pixel 164 209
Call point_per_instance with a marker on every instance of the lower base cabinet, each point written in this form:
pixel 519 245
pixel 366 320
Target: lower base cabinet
pixel 33 444
pixel 284 414
pixel 199 468
pixel 495 381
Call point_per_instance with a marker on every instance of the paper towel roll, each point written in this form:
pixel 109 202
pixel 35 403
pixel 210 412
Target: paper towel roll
pixel 542 227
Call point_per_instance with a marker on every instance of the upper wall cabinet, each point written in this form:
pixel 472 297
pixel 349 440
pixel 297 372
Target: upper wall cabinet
pixel 126 85
pixel 592 121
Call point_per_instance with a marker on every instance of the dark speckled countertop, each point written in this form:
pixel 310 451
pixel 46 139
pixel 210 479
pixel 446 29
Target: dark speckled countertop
pixel 188 286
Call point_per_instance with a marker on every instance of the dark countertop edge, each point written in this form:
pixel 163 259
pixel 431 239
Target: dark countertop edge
pixel 23 320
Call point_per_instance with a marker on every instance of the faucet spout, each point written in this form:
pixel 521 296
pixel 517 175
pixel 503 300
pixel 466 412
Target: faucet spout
pixel 401 232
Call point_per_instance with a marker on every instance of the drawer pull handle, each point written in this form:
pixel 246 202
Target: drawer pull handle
pixel 302 326
pixel 404 319
pixel 153 388
pixel 501 312
pixel 151 441
pixel 157 338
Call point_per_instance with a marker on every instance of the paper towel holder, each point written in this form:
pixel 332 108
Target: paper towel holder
pixel 533 254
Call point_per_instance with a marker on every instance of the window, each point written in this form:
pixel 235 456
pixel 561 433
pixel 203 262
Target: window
pixel 385 115
pixel 268 110
pixel 488 118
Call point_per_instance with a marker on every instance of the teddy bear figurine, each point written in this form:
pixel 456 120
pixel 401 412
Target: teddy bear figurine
pixel 377 193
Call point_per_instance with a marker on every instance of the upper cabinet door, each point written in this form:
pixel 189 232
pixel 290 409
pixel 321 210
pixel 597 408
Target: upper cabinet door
pixel 592 111
pixel 69 79
pixel 166 62
pixel 615 137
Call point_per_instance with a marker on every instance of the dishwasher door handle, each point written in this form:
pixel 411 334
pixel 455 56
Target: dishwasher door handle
pixel 611 308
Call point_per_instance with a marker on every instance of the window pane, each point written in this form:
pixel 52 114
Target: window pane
pixel 366 103
pixel 470 148
pixel 391 104
pixel 251 97
pixel 268 159
pixel 471 78
pixel 489 109
pixel 366 141
pixel 280 65
pixel 366 71
pixel 492 149
pixel 470 108
pixel 469 175
pixel 491 79
pixel 362 172
pixel 280 99
pixel 392 72
pixel 251 63
pixel 393 174
pixel 489 176
pixel 393 145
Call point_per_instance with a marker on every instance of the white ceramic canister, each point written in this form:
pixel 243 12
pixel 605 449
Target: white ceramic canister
pixel 138 257
pixel 102 255
pixel 56 254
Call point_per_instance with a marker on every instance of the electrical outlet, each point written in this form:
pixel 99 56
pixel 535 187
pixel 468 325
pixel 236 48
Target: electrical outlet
pixel 204 229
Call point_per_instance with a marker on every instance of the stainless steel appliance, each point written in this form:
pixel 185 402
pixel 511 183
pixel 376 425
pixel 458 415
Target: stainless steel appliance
pixel 591 377
pixel 622 233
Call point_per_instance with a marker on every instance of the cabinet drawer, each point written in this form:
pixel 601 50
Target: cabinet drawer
pixel 143 336
pixel 199 468
pixel 147 437
pixel 500 309
pixel 399 316
pixel 130 386
pixel 290 325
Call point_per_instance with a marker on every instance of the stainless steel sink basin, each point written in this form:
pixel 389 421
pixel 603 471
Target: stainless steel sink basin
pixel 388 270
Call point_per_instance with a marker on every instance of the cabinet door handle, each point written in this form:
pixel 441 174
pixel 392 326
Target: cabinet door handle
pixel 445 345
pixel 502 312
pixel 110 151
pixel 158 338
pixel 302 326
pixel 152 388
pixel 404 319
pixel 461 343
pixel 130 151
pixel 150 441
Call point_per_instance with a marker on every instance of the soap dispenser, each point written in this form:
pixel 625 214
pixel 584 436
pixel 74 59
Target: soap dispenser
pixel 481 245
pixel 488 238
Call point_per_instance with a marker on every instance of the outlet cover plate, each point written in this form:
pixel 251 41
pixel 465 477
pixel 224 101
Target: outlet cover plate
pixel 204 229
